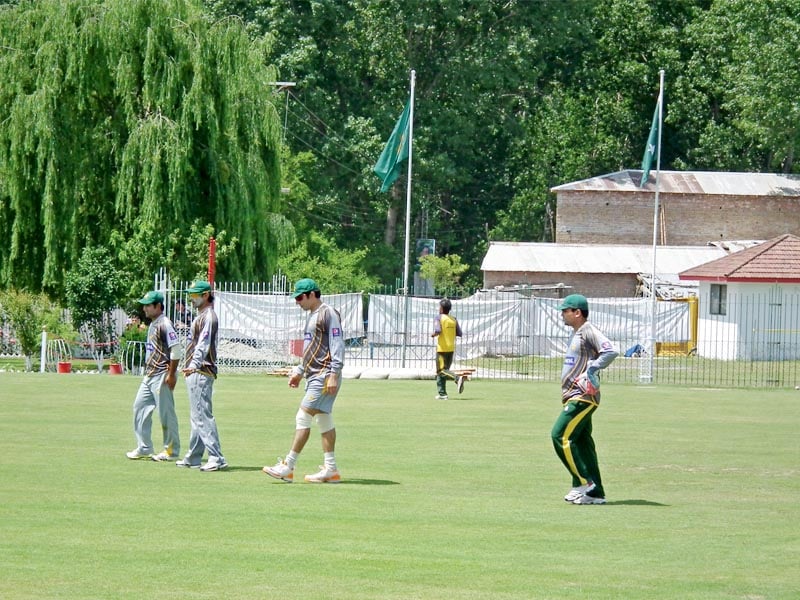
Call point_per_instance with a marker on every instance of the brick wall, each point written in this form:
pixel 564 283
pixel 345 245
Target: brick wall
pixel 597 217
pixel 593 285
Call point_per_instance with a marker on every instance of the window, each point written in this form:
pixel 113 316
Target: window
pixel 719 299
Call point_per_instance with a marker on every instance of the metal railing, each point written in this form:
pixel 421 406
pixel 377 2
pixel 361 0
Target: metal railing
pixel 756 343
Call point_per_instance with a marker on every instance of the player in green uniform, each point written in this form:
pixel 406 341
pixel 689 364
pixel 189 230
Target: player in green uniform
pixel 588 352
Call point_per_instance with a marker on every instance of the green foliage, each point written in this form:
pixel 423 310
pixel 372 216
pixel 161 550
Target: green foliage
pixel 445 271
pixel 134 125
pixel 28 313
pixel 93 288
pixel 334 269
pixel 131 121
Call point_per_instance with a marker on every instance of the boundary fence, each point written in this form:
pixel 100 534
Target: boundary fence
pixel 507 335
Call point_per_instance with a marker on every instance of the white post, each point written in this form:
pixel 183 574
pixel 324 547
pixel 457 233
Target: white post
pixel 43 353
pixel 407 261
pixel 649 377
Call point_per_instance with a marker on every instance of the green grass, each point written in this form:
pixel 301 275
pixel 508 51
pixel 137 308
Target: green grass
pixel 455 500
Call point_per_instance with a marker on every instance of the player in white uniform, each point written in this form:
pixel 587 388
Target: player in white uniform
pixel 323 359
pixel 155 390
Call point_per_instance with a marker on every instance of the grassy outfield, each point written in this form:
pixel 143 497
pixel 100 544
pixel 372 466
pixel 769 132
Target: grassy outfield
pixel 452 500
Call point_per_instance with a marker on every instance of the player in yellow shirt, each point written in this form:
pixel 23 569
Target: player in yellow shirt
pixel 446 329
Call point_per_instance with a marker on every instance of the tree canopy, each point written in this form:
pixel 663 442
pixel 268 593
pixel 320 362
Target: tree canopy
pixel 125 124
pixel 138 125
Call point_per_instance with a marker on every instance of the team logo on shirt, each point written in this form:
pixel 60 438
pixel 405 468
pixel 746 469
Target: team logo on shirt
pixel 307 336
pixel 336 332
pixel 172 336
pixel 606 346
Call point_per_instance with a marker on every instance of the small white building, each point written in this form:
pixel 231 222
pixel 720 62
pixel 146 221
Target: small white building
pixel 749 307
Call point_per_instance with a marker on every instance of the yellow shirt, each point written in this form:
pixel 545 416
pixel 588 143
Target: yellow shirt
pixel 448 328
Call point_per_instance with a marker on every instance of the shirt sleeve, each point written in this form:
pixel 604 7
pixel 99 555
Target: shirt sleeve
pixel 606 352
pixel 335 341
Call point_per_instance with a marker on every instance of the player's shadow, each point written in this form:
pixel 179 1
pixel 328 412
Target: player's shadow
pixel 346 481
pixel 634 502
pixel 349 481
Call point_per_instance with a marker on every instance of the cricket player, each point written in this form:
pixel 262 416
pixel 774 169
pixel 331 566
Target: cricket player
pixel 323 359
pixel 200 371
pixel 589 351
pixel 155 390
pixel 445 329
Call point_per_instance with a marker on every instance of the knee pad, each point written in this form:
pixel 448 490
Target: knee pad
pixel 302 419
pixel 325 422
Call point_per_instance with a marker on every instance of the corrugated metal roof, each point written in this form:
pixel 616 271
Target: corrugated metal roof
pixel 692 182
pixel 776 260
pixel 594 258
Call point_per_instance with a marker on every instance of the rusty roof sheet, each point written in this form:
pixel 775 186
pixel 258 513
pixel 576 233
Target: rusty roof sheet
pixel 535 257
pixel 776 260
pixel 692 182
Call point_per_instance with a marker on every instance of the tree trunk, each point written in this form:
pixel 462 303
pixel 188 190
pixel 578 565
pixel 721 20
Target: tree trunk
pixel 390 233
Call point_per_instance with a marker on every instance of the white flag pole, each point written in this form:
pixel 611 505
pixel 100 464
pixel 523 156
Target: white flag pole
pixel 407 261
pixel 653 295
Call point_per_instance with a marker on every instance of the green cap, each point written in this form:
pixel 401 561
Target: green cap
pixel 305 286
pixel 199 287
pixel 152 298
pixel 574 301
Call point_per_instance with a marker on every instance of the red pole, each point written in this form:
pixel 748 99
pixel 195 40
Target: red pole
pixel 212 259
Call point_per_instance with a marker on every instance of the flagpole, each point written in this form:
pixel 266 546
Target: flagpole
pixel 653 295
pixel 407 261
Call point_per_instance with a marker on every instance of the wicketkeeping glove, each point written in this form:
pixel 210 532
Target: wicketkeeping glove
pixel 586 385
pixel 591 375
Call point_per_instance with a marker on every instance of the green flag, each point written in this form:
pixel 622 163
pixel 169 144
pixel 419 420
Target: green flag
pixel 395 152
pixel 650 150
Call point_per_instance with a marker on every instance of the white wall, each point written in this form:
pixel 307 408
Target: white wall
pixel 762 323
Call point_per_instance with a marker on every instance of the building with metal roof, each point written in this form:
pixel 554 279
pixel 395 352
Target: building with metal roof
pixel 595 270
pixel 695 208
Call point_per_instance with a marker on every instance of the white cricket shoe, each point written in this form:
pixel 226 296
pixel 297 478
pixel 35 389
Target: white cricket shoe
pixel 325 475
pixel 440 397
pixel 215 463
pixel 586 499
pixel 164 457
pixel 137 455
pixel 280 471
pixel 577 492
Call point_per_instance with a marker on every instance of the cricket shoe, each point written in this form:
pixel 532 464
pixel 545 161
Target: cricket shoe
pixel 215 463
pixel 440 397
pixel 587 499
pixel 577 492
pixel 280 471
pixel 185 464
pixel 326 475
pixel 164 457
pixel 137 455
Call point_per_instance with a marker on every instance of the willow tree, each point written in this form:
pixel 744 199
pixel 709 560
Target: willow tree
pixel 123 125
